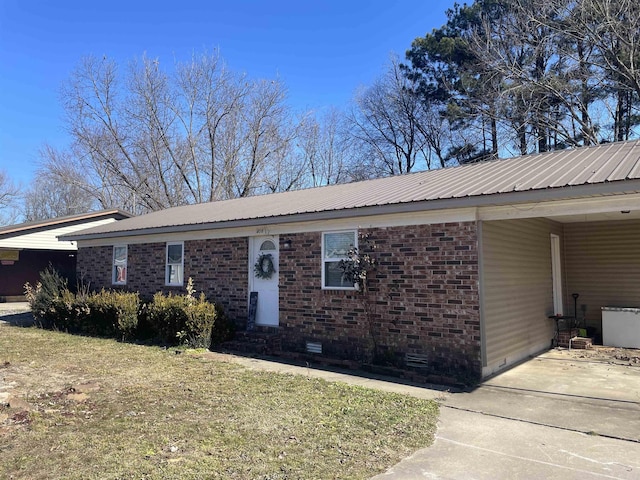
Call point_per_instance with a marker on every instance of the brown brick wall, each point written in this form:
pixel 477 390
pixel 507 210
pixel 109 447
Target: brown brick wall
pixel 423 295
pixel 94 266
pixel 423 298
pixel 218 268
pixel 146 265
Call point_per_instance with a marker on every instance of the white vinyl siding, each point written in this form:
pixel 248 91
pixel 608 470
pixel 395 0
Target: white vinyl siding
pixel 175 264
pixel 335 248
pixel 119 267
pixel 517 288
pixel 47 239
pixel 602 266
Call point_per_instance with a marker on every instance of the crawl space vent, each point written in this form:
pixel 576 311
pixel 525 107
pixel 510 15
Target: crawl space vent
pixel 314 347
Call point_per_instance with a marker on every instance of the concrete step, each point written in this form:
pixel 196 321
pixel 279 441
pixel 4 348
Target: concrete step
pixel 258 342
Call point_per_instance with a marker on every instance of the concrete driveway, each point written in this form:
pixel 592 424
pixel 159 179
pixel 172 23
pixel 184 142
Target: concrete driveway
pixel 561 415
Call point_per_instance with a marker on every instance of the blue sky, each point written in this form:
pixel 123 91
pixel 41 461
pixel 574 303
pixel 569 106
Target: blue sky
pixel 322 50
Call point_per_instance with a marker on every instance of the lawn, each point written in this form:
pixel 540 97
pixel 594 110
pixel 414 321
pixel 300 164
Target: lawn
pixel 102 409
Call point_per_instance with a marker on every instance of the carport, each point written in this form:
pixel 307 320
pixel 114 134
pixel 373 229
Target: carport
pixel 535 256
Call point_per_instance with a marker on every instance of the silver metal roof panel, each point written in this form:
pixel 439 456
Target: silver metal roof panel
pixel 469 185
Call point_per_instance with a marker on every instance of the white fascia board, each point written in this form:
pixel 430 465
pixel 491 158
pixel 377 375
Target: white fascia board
pixel 374 221
pixel 47 239
pixel 558 208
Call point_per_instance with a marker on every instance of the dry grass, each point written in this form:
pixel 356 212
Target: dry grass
pixel 102 409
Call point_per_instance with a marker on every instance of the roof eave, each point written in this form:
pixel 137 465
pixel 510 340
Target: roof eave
pixel 551 194
pixel 62 221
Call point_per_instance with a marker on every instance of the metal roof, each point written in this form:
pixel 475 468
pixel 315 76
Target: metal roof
pixel 607 168
pixel 28 227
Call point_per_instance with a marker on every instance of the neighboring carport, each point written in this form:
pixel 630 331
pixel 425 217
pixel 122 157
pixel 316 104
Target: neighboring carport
pixel 27 249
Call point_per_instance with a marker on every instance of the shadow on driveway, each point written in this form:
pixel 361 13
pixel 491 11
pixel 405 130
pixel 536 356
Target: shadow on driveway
pixel 22 319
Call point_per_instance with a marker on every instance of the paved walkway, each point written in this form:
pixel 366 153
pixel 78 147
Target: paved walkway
pixel 379 382
pixel 7 308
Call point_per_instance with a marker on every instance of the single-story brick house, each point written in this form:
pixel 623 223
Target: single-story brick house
pixel 28 248
pixel 472 260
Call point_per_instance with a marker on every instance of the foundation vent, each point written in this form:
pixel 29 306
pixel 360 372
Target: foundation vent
pixel 416 361
pixel 314 347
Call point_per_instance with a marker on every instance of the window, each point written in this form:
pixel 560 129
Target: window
pixel 267 245
pixel 175 264
pixel 335 247
pixel 119 270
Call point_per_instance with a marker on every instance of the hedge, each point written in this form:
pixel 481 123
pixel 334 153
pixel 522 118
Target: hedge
pixel 170 319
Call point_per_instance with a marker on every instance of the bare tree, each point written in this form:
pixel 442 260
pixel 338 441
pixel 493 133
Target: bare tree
pixel 265 138
pixel 536 75
pixel 611 28
pixel 326 149
pixel 385 123
pixel 148 139
pixel 8 191
pixel 47 198
pixel 8 197
pixel 562 63
pixel 542 74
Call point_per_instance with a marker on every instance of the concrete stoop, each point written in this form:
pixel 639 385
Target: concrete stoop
pixel 256 342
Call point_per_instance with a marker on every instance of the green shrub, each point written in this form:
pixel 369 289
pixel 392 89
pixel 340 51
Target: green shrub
pixel 146 330
pixel 106 313
pixel 68 312
pixel 166 316
pixel 128 306
pixel 101 320
pixel 201 318
pixel 112 314
pixel 182 319
pixel 42 296
pixel 171 319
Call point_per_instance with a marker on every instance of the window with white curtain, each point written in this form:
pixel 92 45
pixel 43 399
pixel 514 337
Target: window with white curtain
pixel 175 264
pixel 335 248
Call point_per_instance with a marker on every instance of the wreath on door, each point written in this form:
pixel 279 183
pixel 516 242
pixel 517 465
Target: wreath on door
pixel 264 267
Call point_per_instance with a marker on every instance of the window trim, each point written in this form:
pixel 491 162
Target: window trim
pixel 114 275
pixel 324 260
pixel 167 264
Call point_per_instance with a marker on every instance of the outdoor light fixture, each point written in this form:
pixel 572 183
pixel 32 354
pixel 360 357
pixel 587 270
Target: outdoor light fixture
pixel 287 243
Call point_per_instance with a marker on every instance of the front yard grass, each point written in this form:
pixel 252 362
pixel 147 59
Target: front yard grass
pixel 102 409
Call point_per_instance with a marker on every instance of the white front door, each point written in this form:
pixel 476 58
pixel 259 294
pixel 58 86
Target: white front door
pixel 263 278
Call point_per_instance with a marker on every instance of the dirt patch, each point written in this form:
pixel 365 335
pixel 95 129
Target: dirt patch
pixel 613 355
pixel 17 412
pixel 18 400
